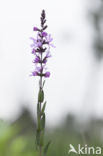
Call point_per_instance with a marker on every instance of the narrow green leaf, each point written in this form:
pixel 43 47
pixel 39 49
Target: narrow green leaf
pixel 46 148
pixel 43 108
pixel 43 83
pixel 38 108
pixel 41 96
pixel 38 137
pixel 43 121
pixel 39 123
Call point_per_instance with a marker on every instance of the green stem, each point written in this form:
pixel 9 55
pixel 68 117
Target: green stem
pixel 40 87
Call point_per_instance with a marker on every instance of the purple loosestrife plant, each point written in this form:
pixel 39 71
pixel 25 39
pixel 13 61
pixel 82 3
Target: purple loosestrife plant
pixel 41 51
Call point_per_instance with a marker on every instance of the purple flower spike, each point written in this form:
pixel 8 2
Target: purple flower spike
pixel 47 74
pixel 35 29
pixel 41 48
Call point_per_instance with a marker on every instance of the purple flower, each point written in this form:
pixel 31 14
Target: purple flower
pixel 47 74
pixel 37 59
pixel 33 51
pixel 39 43
pixel 44 60
pixel 35 29
pixel 44 34
pixel 35 73
pixel 48 54
pixel 46 57
pixel 38 69
pixel 49 39
pixel 36 43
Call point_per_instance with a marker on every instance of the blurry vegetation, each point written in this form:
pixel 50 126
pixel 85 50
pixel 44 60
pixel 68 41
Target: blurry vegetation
pixel 95 20
pixel 18 138
pixel 96 15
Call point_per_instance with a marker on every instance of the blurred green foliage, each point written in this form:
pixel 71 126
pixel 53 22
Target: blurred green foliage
pixel 18 138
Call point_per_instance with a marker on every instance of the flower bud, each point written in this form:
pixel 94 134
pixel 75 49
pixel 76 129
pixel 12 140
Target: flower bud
pixel 47 74
pixel 35 29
